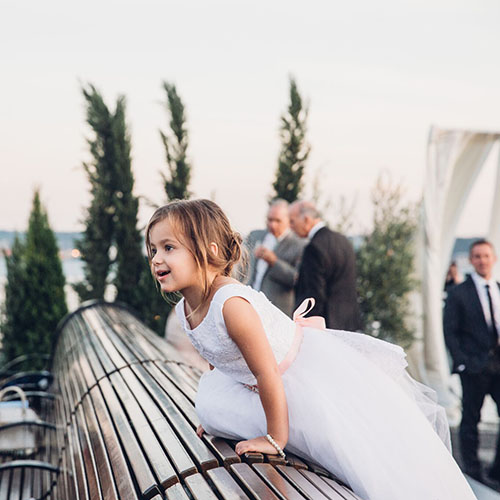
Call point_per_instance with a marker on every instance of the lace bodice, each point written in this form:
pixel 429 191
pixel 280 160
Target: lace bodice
pixel 213 343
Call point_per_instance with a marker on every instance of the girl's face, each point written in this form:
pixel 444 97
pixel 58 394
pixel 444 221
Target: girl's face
pixel 173 264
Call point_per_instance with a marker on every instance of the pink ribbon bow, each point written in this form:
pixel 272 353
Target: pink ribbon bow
pixel 313 321
pixel 300 322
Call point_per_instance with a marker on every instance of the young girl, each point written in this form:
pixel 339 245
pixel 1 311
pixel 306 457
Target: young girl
pixel 340 399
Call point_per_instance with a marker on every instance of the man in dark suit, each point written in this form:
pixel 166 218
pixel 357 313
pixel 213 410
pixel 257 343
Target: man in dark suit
pixel 275 255
pixel 327 271
pixel 471 327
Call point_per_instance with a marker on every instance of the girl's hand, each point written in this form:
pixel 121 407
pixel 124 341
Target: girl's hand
pixel 260 444
pixel 200 431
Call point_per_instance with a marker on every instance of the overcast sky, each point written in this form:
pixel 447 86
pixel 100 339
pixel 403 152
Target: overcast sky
pixel 377 75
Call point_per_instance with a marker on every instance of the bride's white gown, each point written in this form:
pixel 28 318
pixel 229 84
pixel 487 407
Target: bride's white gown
pixel 352 406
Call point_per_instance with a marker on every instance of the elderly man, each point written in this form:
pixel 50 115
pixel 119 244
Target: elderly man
pixel 274 258
pixel 328 269
pixel 471 329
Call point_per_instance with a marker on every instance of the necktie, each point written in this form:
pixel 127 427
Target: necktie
pixel 492 315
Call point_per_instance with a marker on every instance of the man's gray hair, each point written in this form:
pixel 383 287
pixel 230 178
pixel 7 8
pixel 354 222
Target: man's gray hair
pixel 279 202
pixel 307 208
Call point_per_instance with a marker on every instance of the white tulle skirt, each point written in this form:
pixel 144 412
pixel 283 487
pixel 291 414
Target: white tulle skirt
pixel 354 410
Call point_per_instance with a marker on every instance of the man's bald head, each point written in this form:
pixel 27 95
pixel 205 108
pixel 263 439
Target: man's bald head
pixel 303 217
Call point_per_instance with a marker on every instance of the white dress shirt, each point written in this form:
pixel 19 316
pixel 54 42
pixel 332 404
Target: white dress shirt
pixel 481 283
pixel 270 242
pixel 315 229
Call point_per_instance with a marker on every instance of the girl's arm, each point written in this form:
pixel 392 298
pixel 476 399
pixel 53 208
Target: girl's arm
pixel 245 328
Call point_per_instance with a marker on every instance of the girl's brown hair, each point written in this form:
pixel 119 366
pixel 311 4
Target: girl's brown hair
pixel 200 223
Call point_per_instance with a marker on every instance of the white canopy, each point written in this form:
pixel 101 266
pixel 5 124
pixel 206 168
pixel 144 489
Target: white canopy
pixel 454 160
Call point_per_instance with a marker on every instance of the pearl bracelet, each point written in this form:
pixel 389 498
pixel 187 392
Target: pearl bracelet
pixel 276 446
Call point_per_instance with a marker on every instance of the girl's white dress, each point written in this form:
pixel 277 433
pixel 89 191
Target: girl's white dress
pixel 352 407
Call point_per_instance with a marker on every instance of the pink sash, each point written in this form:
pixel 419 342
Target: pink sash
pixel 300 322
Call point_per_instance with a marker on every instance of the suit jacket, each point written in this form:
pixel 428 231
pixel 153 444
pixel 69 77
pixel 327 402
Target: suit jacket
pixel 328 273
pixel 466 332
pixel 279 280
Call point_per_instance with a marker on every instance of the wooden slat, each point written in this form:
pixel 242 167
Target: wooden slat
pixel 75 388
pixel 169 370
pixel 62 479
pixel 132 344
pixel 183 430
pixel 295 461
pixel 190 372
pixel 180 458
pixel 252 483
pixel 103 466
pixel 96 325
pixel 76 377
pixel 253 457
pixel 121 472
pixel 226 454
pixel 277 482
pixel 126 349
pixel 275 459
pixel 69 392
pixel 158 497
pixel 91 474
pixel 176 492
pixel 185 404
pixel 78 468
pixel 69 483
pixel 199 488
pixel 99 359
pixel 86 371
pixel 306 488
pixel 136 459
pixel 157 457
pixel 138 330
pixel 323 486
pixel 186 432
pixel 344 490
pixel 226 486
pixel 97 365
pixel 317 469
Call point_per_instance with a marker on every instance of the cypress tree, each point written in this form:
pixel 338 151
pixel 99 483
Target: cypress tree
pixel 385 267
pixel 35 299
pixel 130 262
pixel 111 221
pixel 179 170
pixel 294 148
pixel 155 309
pixel 14 321
pixel 99 220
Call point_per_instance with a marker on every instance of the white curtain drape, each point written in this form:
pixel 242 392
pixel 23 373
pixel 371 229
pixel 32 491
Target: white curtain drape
pixel 454 160
pixel 494 231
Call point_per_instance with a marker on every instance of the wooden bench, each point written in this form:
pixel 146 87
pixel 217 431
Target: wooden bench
pixel 126 424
